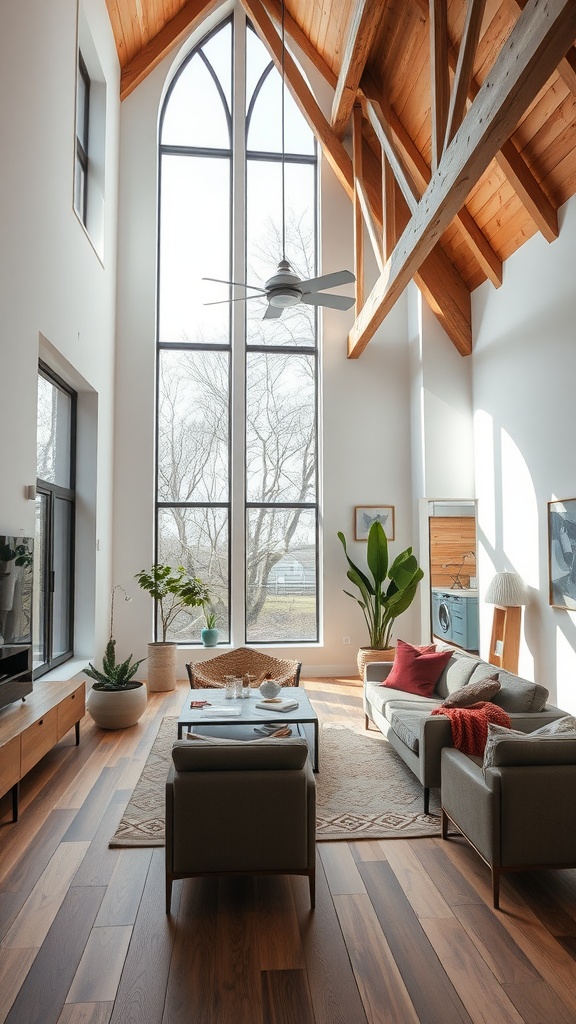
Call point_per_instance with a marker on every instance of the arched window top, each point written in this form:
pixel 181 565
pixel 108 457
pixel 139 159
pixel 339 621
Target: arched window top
pixel 264 107
pixel 197 108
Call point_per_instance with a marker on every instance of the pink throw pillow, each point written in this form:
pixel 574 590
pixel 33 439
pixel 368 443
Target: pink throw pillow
pixel 416 669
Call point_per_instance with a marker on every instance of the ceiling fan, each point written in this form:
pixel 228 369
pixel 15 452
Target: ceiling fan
pixel 285 288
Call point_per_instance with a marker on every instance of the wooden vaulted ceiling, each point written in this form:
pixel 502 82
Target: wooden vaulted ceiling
pixel 460 116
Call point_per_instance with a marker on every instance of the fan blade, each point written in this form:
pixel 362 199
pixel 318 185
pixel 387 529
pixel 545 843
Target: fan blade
pixel 334 301
pixel 314 284
pixel 241 298
pixel 272 312
pixel 237 284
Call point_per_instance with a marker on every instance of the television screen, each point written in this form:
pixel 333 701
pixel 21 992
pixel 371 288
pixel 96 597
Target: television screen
pixel 16 555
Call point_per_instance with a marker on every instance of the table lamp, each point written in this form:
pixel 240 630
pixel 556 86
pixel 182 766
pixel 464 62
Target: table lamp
pixel 508 593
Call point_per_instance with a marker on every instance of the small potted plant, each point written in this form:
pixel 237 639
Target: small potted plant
pixel 173 590
pixel 116 700
pixel 385 596
pixel 210 632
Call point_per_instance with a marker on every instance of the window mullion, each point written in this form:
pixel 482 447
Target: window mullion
pixel 238 449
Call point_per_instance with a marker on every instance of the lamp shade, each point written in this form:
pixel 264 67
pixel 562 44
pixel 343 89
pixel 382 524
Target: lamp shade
pixel 507 590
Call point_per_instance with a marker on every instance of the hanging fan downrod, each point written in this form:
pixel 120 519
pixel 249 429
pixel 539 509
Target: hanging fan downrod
pixel 285 288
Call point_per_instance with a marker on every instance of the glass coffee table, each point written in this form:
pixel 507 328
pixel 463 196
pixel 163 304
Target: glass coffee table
pixel 216 719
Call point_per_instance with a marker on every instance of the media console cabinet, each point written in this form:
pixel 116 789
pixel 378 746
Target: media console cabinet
pixel 30 728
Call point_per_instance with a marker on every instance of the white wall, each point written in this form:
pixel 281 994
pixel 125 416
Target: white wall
pixel 524 365
pixel 365 403
pixel 56 297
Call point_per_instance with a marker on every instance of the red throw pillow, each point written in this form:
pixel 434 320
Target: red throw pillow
pixel 416 669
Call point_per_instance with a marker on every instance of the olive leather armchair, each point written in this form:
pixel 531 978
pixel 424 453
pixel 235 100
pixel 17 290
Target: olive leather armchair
pixel 239 808
pixel 520 814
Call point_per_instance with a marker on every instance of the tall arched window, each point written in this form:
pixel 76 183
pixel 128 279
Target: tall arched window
pixel 237 491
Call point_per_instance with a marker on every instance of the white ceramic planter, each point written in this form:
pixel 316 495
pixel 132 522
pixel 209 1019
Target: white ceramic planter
pixel 117 709
pixel 161 667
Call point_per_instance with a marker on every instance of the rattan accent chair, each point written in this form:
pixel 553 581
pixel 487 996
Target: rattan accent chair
pixel 241 662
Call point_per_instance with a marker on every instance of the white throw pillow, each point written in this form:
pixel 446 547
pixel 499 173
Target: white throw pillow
pixel 495 732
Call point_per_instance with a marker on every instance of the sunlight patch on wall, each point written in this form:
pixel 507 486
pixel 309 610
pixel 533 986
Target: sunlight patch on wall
pixel 565 669
pixel 485 482
pixel 519 513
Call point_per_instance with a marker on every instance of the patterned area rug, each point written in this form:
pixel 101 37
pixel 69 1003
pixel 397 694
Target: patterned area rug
pixel 363 791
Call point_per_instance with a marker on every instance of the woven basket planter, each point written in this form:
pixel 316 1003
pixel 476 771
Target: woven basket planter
pixel 162 667
pixel 368 654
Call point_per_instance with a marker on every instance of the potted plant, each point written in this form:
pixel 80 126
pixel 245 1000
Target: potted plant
pixel 116 700
pixel 172 590
pixel 383 597
pixel 210 632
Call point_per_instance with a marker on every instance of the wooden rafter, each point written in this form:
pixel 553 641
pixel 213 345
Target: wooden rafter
pixel 439 75
pixel 389 235
pixel 274 9
pixel 174 32
pixel 512 163
pixel 567 66
pixel 532 51
pixel 364 22
pixel 415 168
pixel 464 67
pixel 357 146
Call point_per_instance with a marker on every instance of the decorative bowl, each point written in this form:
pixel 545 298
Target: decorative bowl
pixel 270 688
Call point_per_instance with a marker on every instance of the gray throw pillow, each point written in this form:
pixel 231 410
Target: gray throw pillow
pixel 484 689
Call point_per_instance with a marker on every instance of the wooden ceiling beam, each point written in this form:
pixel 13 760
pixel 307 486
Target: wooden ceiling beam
pixel 440 283
pixel 439 76
pixel 567 66
pixel 464 67
pixel 173 33
pixel 415 164
pixel 512 163
pixel 530 54
pixel 364 22
pixel 332 148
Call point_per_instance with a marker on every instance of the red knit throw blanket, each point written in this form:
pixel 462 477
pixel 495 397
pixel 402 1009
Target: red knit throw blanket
pixel 470 725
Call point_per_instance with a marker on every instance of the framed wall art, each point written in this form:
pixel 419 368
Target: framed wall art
pixel 562 553
pixel 365 515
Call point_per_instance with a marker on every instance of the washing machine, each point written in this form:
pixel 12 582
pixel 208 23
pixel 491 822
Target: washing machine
pixel 455 617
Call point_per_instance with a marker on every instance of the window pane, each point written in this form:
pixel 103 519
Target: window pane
pixel 280 434
pixel 197 538
pixel 194 242
pixel 265 128
pixel 296 326
pixel 193 426
pixel 53 434
pixel 191 121
pixel 281 575
pixel 61 638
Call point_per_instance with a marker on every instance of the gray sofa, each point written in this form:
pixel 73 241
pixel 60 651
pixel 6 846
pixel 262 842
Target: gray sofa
pixel 419 737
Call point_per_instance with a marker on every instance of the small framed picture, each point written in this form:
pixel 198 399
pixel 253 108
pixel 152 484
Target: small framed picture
pixel 365 515
pixel 562 553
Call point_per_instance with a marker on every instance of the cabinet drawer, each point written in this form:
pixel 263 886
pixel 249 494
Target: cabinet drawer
pixel 9 765
pixel 70 711
pixel 38 739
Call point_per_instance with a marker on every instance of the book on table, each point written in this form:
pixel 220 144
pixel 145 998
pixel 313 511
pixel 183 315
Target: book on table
pixel 281 705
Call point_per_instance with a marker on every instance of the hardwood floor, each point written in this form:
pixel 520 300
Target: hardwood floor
pixel 403 931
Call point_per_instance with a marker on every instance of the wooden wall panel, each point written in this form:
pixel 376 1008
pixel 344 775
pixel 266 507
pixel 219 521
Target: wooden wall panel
pixel 450 538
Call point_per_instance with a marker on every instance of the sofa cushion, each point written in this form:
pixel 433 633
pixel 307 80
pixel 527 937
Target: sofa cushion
pixel 483 689
pixel 457 673
pixel 509 748
pixel 406 725
pixel 416 670
pixel 382 697
pixel 515 693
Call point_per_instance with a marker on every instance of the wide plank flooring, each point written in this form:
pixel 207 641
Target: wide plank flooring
pixel 403 933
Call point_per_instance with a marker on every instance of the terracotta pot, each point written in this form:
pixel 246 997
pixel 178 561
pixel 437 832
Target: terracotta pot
pixel 162 666
pixel 367 654
pixel 117 709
